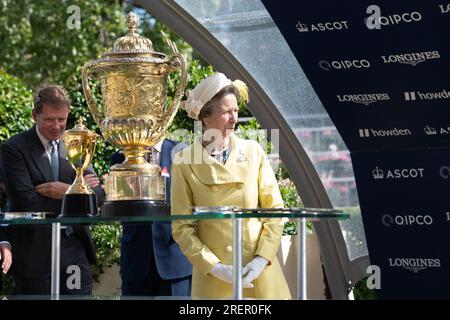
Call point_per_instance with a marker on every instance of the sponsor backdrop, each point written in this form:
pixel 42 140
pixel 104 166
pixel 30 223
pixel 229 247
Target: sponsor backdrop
pixel 381 70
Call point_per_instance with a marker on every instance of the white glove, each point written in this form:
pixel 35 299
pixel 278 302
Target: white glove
pixel 253 269
pixel 224 272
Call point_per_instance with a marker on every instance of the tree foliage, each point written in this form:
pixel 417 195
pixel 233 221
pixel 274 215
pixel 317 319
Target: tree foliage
pixel 40 47
pixel 15 106
pixel 15 112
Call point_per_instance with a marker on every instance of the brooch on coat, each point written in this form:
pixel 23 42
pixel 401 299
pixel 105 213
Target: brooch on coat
pixel 241 157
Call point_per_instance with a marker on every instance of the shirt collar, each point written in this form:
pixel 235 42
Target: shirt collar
pixel 158 146
pixel 44 141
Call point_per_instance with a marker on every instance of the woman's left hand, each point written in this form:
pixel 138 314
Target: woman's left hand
pixel 253 269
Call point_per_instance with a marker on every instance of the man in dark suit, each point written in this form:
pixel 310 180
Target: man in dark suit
pixel 151 261
pixel 36 175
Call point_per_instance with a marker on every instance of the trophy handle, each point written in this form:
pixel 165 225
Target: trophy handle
pixel 87 93
pixel 176 61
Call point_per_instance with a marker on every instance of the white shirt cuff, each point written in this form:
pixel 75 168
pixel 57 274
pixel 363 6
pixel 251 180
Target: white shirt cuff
pixel 6 242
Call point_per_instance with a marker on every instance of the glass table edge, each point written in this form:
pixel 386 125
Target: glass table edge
pixel 308 214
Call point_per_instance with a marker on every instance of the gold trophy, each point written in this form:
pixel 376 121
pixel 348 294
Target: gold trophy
pixel 134 116
pixel 79 199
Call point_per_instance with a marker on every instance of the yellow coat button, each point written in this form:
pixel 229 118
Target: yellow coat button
pixel 247 246
pixel 214 188
pixel 228 249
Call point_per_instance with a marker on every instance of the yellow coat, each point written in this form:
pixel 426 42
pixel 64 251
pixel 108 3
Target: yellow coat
pixel 246 181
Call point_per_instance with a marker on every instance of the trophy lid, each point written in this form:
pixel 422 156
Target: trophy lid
pixel 133 44
pixel 80 130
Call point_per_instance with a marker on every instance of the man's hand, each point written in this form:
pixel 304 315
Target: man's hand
pixel 91 180
pixel 53 190
pixel 5 256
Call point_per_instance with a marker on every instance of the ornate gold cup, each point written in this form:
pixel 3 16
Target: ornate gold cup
pixel 134 116
pixel 79 199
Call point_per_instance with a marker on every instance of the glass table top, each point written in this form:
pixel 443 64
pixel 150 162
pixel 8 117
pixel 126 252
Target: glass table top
pixel 199 213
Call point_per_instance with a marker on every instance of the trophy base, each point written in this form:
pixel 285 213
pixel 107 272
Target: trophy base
pixel 133 208
pixel 78 205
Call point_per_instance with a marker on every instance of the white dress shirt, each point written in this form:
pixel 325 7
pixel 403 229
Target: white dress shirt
pixel 157 154
pixel 47 147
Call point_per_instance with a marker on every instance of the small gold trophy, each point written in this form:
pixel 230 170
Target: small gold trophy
pixel 79 199
pixel 134 116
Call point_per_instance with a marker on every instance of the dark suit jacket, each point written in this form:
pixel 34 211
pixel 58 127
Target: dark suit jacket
pixel 26 165
pixel 143 242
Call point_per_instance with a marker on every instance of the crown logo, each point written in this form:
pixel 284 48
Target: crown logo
pixel 378 173
pixel 364 102
pixel 413 62
pixel 415 269
pixel 430 130
pixel 301 27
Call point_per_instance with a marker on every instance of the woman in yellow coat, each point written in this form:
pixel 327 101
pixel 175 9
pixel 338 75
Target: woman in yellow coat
pixel 226 171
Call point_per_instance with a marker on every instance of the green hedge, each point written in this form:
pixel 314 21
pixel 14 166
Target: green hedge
pixel 106 239
pixel 16 102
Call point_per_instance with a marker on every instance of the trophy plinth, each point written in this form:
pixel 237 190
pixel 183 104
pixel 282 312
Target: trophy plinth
pixel 79 205
pixel 134 208
pixel 80 199
pixel 133 80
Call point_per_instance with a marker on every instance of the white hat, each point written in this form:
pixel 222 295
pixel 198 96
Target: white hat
pixel 206 90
